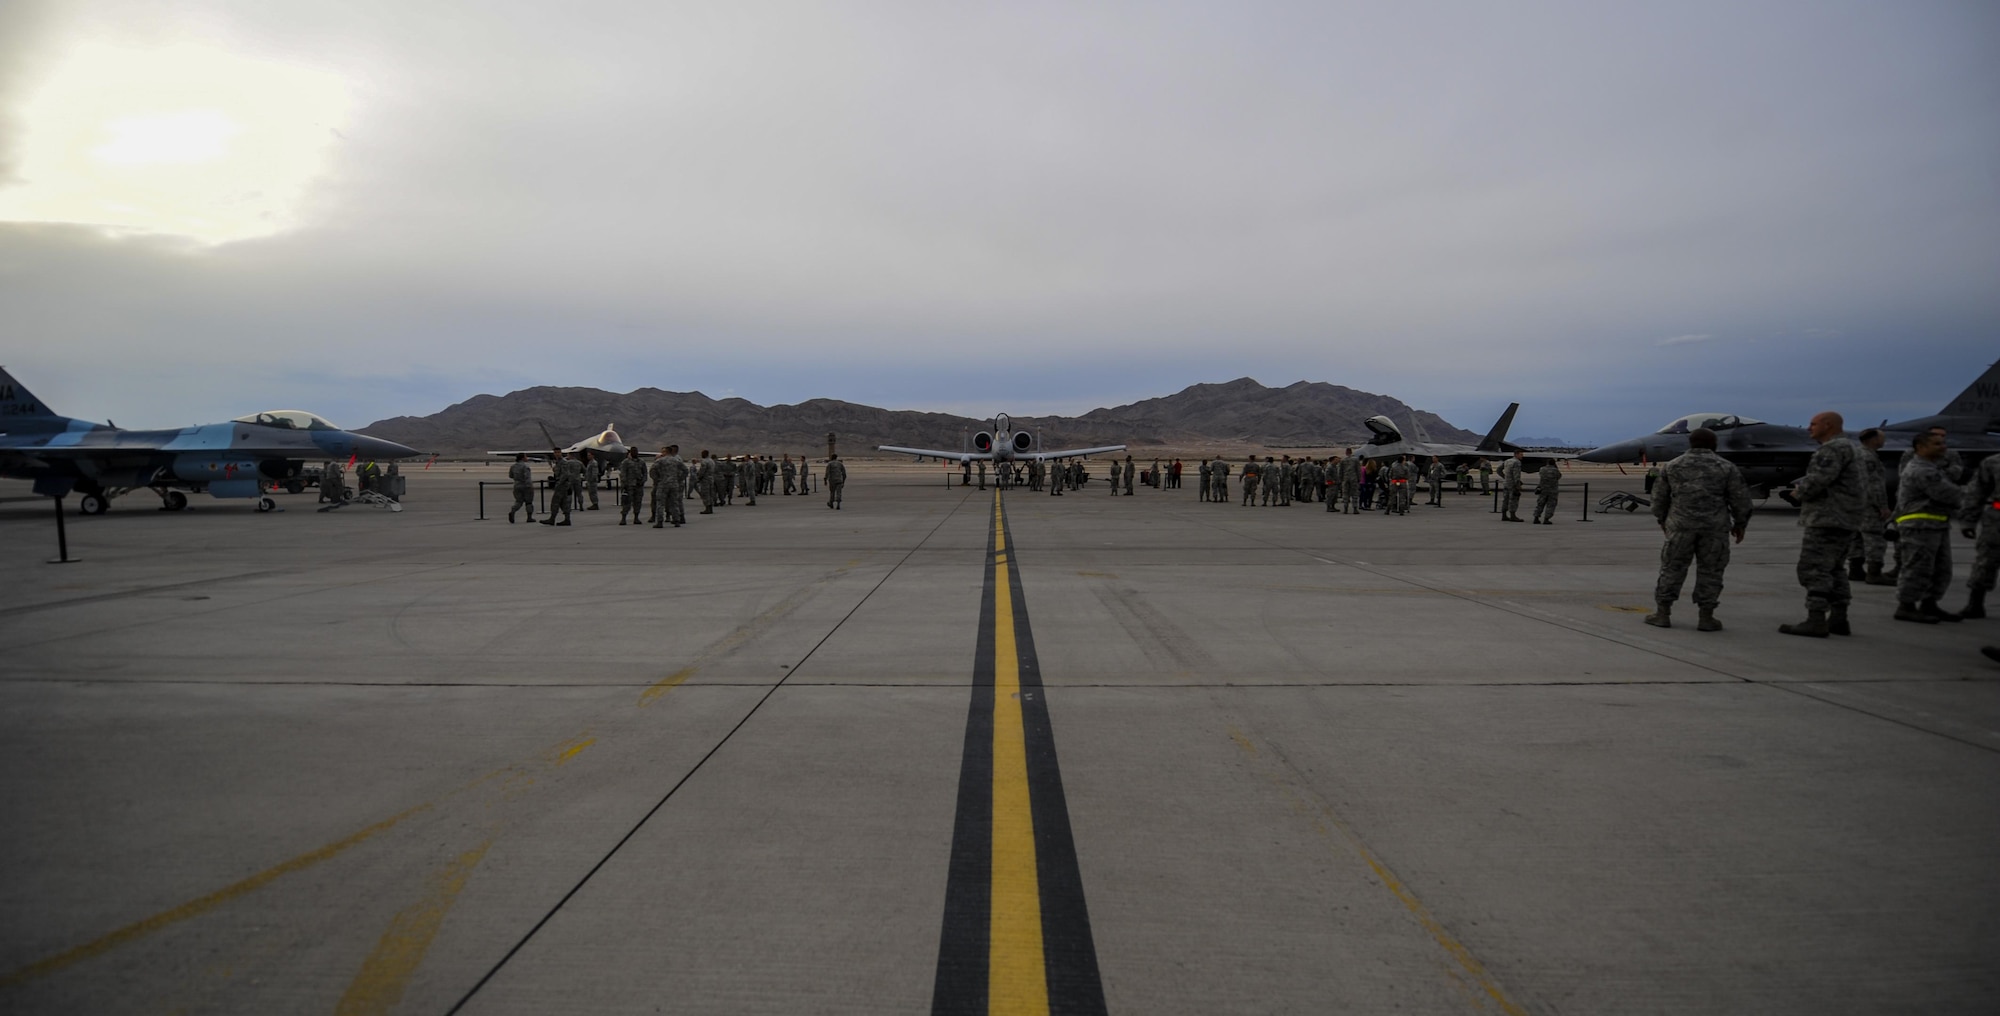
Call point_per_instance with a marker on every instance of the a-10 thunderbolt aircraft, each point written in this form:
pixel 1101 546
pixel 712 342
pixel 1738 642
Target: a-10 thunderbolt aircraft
pixel 240 458
pixel 1772 456
pixel 1002 443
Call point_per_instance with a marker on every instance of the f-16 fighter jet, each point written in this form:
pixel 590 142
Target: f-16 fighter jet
pixel 241 458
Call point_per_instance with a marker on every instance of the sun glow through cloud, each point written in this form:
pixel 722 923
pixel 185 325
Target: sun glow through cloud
pixel 183 140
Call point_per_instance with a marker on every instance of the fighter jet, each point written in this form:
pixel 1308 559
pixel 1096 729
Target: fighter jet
pixel 1001 443
pixel 1389 442
pixel 1773 455
pixel 610 448
pixel 241 458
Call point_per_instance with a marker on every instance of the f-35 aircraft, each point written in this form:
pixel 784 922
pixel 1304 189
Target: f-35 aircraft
pixel 1773 455
pixel 241 458
pixel 1002 443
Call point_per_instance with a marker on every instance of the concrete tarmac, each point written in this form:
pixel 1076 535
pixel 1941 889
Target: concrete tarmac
pixel 363 762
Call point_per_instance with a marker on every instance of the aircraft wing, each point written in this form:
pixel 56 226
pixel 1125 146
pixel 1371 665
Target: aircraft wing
pixel 1070 453
pixel 934 453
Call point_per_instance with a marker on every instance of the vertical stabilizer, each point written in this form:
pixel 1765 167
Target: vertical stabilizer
pixel 1417 428
pixel 1496 439
pixel 19 408
pixel 1980 402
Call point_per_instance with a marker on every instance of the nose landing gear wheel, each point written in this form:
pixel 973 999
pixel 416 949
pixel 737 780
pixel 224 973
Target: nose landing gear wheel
pixel 265 504
pixel 173 501
pixel 92 504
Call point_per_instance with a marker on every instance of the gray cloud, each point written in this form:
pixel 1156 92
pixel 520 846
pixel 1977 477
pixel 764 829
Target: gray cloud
pixel 1050 207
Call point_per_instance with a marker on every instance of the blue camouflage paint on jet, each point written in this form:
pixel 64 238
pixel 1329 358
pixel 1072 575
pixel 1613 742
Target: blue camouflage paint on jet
pixel 239 459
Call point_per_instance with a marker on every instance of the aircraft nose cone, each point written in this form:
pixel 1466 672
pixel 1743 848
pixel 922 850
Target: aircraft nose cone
pixel 1620 451
pixel 376 448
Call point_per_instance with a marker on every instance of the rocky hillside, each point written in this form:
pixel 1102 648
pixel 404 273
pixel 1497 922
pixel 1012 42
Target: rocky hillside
pixel 1238 413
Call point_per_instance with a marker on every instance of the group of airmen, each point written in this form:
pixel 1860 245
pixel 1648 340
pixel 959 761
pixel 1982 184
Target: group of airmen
pixel 1351 484
pixel 714 479
pixel 1703 505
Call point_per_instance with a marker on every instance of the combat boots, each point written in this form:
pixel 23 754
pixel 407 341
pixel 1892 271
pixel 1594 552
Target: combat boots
pixel 1855 571
pixel 1836 621
pixel 1876 578
pixel 1706 621
pixel 510 517
pixel 1813 627
pixel 1663 617
pixel 1907 611
pixel 1930 608
pixel 1975 605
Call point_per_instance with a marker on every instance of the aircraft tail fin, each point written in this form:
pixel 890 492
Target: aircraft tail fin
pixel 18 404
pixel 1496 439
pixel 1980 402
pixel 1417 428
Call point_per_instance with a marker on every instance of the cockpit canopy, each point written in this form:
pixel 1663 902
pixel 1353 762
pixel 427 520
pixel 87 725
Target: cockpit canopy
pixel 288 419
pixel 1383 428
pixel 1713 421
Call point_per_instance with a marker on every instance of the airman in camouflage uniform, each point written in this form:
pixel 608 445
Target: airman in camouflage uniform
pixel 1865 557
pixel 1981 519
pixel 631 486
pixel 1130 469
pixel 1350 484
pixel 333 484
pixel 1925 502
pixel 1832 506
pixel 524 488
pixel 1701 504
pixel 1218 475
pixel 1399 486
pixel 669 477
pixel 706 472
pixel 836 478
pixel 593 475
pixel 1437 482
pixel 1510 489
pixel 1548 485
pixel 561 490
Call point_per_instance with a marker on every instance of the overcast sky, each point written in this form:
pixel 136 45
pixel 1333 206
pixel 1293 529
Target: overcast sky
pixel 1613 213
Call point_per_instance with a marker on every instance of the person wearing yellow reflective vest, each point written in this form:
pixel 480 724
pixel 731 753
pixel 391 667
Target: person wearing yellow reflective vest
pixel 1981 519
pixel 1925 503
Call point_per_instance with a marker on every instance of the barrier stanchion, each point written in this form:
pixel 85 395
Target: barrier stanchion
pixel 1586 502
pixel 482 502
pixel 1495 509
pixel 62 536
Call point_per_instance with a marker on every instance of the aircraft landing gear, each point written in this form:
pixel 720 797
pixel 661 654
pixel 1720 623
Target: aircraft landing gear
pixel 93 504
pixel 171 500
pixel 265 504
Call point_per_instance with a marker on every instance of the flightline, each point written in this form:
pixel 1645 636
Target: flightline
pixel 1016 935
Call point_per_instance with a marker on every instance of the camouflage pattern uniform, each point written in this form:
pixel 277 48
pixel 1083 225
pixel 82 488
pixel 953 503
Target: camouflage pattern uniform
pixel 1510 490
pixel 1700 498
pixel 631 487
pixel 524 489
pixel 1875 491
pixel 1831 508
pixel 836 478
pixel 1982 509
pixel 1437 484
pixel 1548 484
pixel 1925 502
pixel 705 476
pixel 1218 474
pixel 1350 485
pixel 593 475
pixel 560 490
pixel 332 484
pixel 1129 470
pixel 1250 475
pixel 1399 487
pixel 1267 480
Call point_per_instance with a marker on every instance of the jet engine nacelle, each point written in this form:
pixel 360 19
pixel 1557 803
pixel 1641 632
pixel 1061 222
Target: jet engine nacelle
pixel 194 467
pixel 1023 441
pixel 982 442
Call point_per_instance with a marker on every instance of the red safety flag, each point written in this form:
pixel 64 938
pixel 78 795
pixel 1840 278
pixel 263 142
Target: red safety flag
pixel 433 460
pixel 351 458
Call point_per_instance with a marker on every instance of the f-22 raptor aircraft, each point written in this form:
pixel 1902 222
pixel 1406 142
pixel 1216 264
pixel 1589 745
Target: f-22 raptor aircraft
pixel 1388 442
pixel 1002 443
pixel 240 458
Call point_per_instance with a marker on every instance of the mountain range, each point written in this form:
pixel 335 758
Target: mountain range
pixel 1228 417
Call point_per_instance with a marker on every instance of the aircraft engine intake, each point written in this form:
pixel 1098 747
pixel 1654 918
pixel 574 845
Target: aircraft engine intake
pixel 281 469
pixel 982 442
pixel 1023 441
